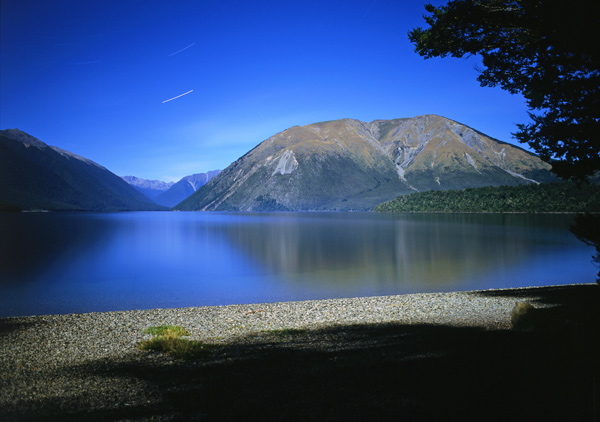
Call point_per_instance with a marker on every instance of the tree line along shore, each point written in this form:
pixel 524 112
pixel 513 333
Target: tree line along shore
pixel 558 197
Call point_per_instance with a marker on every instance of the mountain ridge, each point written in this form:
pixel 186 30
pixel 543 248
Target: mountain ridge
pixel 349 164
pixel 185 187
pixel 34 175
pixel 169 194
pixel 150 188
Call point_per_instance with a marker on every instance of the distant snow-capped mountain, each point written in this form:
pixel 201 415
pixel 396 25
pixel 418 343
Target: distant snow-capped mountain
pixel 184 188
pixel 150 188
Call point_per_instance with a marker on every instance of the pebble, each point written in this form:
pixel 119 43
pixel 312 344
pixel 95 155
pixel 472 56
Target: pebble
pixel 46 359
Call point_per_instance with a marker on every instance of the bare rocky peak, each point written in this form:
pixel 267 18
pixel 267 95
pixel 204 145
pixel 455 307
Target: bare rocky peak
pixel 196 180
pixel 200 179
pixel 422 141
pixel 351 164
pixel 148 184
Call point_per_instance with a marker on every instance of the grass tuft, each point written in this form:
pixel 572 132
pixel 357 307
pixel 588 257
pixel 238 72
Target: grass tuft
pixel 167 339
pixel 166 330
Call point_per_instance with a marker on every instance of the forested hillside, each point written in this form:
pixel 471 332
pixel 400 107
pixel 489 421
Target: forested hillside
pixel 545 197
pixel 37 176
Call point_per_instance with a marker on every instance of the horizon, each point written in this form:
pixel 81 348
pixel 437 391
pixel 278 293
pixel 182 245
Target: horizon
pixel 162 91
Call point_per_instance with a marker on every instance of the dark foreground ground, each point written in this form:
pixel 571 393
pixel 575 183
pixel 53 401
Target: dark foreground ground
pixel 374 372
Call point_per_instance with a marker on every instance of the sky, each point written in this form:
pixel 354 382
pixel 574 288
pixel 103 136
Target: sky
pixel 162 89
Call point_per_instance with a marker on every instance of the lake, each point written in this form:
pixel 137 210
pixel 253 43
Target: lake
pixel 82 262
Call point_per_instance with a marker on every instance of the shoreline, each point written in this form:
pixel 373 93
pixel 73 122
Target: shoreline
pixel 75 364
pixel 529 289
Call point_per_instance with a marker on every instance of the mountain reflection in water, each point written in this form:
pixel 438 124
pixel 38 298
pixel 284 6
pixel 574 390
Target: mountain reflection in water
pixel 82 262
pixel 420 252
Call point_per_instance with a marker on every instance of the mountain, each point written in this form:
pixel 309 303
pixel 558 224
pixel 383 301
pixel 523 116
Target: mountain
pixel 184 188
pixel 34 175
pixel 150 188
pixel 352 165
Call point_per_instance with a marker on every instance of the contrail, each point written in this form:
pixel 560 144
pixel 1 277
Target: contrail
pixel 184 48
pixel 181 95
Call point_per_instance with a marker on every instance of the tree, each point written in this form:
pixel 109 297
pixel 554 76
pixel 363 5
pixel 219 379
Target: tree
pixel 546 50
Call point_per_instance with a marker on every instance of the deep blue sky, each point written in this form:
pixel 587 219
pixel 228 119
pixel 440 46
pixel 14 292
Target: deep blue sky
pixel 90 76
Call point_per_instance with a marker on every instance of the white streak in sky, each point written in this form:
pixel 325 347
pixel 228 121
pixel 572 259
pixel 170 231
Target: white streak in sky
pixel 181 95
pixel 184 48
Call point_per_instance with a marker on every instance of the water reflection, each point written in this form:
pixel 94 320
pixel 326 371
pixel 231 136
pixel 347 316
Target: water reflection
pixel 416 252
pixel 59 263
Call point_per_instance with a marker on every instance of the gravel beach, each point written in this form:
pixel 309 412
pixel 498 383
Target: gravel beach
pixel 89 366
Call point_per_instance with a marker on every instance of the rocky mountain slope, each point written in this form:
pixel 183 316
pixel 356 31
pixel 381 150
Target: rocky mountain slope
pixel 34 175
pixel 150 188
pixel 184 188
pixel 352 165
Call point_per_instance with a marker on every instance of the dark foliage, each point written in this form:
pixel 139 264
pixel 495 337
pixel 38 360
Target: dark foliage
pixel 546 50
pixel 587 229
pixel 42 178
pixel 266 203
pixel 8 207
pixel 546 197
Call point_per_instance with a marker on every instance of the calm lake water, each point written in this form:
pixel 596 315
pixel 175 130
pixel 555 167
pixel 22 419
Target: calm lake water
pixel 82 262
